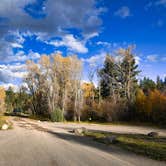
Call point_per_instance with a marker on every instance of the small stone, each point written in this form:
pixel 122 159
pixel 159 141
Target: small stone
pixel 5 127
pixel 153 134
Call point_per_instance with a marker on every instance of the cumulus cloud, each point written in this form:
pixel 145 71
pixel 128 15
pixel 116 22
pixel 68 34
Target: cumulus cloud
pixel 19 19
pixel 91 35
pixel 106 44
pixel 14 68
pixel 72 43
pixel 61 14
pixel 20 56
pixel 137 60
pixel 95 60
pixel 123 12
pixel 6 50
pixel 152 58
pixel 9 73
pixel 156 58
pixel 16 45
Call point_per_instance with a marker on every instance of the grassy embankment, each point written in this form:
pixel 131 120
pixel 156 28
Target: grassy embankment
pixel 3 120
pixel 154 148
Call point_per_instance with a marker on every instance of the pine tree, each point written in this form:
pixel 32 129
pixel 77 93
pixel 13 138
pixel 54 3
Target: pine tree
pixel 130 72
pixel 159 83
pixel 118 77
pixel 109 81
pixel 105 74
pixel 147 85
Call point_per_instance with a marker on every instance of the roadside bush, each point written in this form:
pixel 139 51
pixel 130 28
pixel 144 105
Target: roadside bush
pixel 107 110
pixel 92 113
pixel 114 111
pixel 151 108
pixel 57 115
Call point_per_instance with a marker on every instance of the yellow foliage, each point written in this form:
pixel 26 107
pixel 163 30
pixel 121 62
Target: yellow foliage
pixel 45 60
pixel 88 90
pixel 2 98
pixel 153 105
pixel 31 66
pixel 140 100
pixel 2 94
pixel 158 100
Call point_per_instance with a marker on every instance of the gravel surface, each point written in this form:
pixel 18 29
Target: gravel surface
pixel 35 143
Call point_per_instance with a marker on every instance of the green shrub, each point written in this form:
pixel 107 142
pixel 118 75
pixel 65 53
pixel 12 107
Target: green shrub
pixel 57 115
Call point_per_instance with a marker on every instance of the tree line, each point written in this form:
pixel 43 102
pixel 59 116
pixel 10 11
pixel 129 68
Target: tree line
pixel 54 89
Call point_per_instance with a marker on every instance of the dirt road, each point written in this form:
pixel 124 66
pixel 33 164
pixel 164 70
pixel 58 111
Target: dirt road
pixel 35 143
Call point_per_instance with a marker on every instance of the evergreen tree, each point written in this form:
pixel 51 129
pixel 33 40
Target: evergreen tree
pixel 110 78
pixel 118 77
pixel 159 83
pixel 129 73
pixel 147 85
pixel 105 74
pixel 10 99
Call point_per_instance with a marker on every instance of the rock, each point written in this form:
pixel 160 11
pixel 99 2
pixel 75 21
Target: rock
pixel 111 139
pixel 153 134
pixel 78 132
pixel 84 130
pixel 5 127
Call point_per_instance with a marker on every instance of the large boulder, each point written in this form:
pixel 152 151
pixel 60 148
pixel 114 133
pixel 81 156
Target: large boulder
pixel 84 130
pixel 153 134
pixel 80 131
pixel 5 127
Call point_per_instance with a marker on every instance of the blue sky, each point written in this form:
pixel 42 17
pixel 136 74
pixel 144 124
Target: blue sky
pixel 88 28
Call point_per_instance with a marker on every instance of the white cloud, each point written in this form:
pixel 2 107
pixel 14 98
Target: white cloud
pixel 33 55
pixel 152 58
pixel 95 60
pixel 137 60
pixel 72 43
pixel 9 73
pixel 123 12
pixel 13 86
pixel 156 58
pixel 103 43
pixel 60 16
pixel 56 43
pixel 81 14
pixel 20 56
pixel 91 35
pixel 17 36
pixel 16 45
pixel 5 50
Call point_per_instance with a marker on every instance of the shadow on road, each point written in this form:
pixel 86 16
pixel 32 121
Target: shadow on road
pixel 82 140
pixel 87 141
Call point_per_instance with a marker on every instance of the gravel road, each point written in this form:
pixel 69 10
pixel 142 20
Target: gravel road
pixel 35 143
